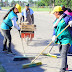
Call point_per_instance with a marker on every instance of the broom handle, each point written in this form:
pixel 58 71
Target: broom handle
pixel 63 30
pixel 51 48
pixel 22 43
pixel 22 40
pixel 50 43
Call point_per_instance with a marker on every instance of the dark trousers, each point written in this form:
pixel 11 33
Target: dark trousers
pixel 7 39
pixel 63 49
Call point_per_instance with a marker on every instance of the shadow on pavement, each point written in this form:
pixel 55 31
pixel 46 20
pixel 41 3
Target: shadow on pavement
pixel 41 43
pixel 1 44
pixel 15 66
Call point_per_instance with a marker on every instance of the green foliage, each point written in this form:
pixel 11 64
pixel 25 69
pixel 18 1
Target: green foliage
pixel 30 1
pixel 1 4
pixel 6 0
pixel 46 2
pixel 2 68
pixel 13 3
pixel 41 3
pixel 66 3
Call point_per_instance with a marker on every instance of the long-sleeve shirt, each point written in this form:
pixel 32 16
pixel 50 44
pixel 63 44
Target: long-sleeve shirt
pixel 14 23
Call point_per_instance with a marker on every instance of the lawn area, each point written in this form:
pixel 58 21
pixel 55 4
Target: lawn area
pixel 1 68
pixel 34 9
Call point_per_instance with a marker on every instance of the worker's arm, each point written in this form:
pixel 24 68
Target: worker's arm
pixel 22 18
pixel 15 24
pixel 32 16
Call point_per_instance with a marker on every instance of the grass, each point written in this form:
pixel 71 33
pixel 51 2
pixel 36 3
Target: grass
pixel 34 9
pixel 1 68
pixel 41 9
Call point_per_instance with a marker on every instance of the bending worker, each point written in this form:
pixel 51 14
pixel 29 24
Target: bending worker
pixel 64 40
pixel 27 15
pixel 8 21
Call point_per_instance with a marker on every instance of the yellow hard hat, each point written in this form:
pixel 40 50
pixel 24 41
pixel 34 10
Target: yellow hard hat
pixel 57 9
pixel 18 7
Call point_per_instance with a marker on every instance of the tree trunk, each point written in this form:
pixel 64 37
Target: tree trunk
pixel 53 3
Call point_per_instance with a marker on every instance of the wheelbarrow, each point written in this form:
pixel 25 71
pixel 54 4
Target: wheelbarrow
pixel 27 32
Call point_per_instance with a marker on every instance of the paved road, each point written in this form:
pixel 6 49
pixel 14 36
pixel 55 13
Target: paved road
pixel 42 38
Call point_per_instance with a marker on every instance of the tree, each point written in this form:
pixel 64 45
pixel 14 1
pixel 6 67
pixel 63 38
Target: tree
pixel 41 3
pixel 53 3
pixel 13 3
pixel 6 2
pixel 46 2
pixel 66 3
pixel 30 1
pixel 1 3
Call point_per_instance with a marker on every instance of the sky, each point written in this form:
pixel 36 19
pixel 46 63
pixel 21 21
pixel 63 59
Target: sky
pixel 20 0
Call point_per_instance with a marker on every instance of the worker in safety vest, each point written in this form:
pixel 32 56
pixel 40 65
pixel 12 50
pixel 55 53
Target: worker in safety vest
pixel 64 40
pixel 8 21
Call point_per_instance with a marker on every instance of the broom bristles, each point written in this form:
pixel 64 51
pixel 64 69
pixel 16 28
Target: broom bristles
pixel 19 58
pixel 31 64
pixel 50 55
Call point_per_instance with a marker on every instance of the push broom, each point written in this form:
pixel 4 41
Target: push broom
pixel 49 54
pixel 33 63
pixel 24 57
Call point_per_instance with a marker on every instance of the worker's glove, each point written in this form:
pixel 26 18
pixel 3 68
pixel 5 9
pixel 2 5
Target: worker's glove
pixel 53 38
pixel 70 23
pixel 25 20
pixel 19 31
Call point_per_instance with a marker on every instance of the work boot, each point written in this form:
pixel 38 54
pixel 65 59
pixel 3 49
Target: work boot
pixel 9 49
pixel 9 52
pixel 4 48
pixel 67 68
pixel 62 70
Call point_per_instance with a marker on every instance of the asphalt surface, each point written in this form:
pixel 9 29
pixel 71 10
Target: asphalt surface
pixel 43 35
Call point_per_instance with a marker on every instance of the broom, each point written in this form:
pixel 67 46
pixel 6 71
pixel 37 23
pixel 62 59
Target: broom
pixel 24 57
pixel 33 63
pixel 49 54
